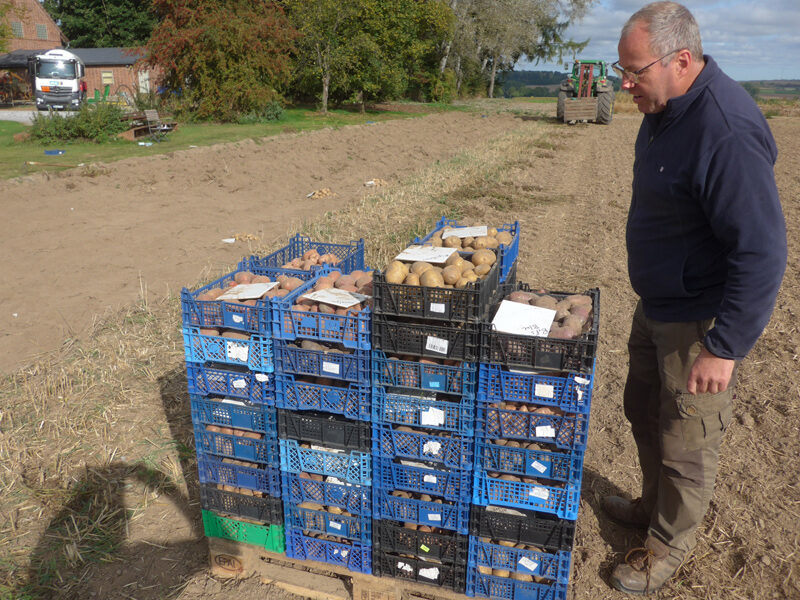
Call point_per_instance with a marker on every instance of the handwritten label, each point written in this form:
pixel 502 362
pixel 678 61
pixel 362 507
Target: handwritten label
pixel 528 563
pixel 428 254
pixel 239 384
pixel 430 573
pixel 540 492
pixel 336 297
pixel 544 391
pixel 463 232
pixel 429 478
pixel 545 431
pixel 237 319
pixel 523 319
pixel 431 447
pixel 330 367
pixel 434 344
pixel 237 351
pixel 538 466
pixel 247 291
pixel 437 307
pixel 431 416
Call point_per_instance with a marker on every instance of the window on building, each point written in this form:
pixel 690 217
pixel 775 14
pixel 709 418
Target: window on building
pixel 16 28
pixel 108 77
pixel 41 31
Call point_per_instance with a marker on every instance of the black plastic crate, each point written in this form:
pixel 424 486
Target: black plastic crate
pixel 325 429
pixel 264 509
pixel 541 353
pixel 449 547
pixel 459 341
pixel 469 303
pixel 451 577
pixel 525 526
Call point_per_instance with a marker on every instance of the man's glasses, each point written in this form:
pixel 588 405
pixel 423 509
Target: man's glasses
pixel 633 76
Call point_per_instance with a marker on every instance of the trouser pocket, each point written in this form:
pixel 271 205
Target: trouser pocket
pixel 704 418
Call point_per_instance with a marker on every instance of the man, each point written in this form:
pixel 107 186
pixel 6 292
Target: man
pixel 706 245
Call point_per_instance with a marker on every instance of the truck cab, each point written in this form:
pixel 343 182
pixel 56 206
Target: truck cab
pixel 56 76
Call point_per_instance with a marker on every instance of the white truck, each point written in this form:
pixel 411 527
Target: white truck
pixel 56 77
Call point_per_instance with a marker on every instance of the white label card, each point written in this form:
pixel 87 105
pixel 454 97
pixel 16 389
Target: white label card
pixel 544 391
pixel 336 297
pixel 434 344
pixel 335 525
pixel 430 573
pixel 330 367
pixel 239 384
pixel 431 447
pixel 229 401
pixel 538 466
pixel 428 254
pixel 261 377
pixel 540 492
pixel 528 563
pixel 247 291
pixel 405 567
pixel 429 478
pixel 581 381
pixel 437 307
pixel 237 351
pixel 523 319
pixel 432 417
pixel 545 431
pixel 434 517
pixel 237 319
pixel 463 232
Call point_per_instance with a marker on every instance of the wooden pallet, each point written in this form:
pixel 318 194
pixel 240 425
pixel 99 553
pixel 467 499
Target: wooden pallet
pixel 580 109
pixel 311 579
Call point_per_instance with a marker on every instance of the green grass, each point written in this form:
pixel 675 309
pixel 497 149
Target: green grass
pixel 15 157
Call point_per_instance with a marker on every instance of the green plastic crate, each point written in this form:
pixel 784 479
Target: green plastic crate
pixel 269 537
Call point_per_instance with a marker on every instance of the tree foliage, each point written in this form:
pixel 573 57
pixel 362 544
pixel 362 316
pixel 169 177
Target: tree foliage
pixel 103 23
pixel 5 28
pixel 223 57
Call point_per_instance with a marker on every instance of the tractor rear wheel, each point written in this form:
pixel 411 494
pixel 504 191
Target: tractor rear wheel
pixel 605 107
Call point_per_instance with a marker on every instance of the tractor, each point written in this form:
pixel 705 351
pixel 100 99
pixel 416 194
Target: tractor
pixel 587 94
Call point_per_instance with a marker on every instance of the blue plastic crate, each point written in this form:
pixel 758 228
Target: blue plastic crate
pixel 254 353
pixel 454 451
pixel 452 484
pixel 257 388
pixel 355 499
pixel 233 413
pixel 504 588
pixel 351 467
pixel 507 255
pixel 447 515
pixel 263 450
pixel 353 401
pixel 572 393
pixel 568 431
pixel 353 367
pixel 560 501
pixel 263 479
pixel 423 411
pixel 562 466
pixel 231 314
pixel 354 556
pixel 351 256
pixel 550 565
pixel 358 528
pixel 446 379
pixel 353 331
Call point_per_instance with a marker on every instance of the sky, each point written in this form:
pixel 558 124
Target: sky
pixel 749 39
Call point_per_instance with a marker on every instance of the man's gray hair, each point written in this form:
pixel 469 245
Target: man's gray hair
pixel 670 25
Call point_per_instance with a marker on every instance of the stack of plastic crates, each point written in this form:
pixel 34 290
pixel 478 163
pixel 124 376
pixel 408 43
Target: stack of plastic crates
pixel 532 421
pixel 424 374
pixel 323 396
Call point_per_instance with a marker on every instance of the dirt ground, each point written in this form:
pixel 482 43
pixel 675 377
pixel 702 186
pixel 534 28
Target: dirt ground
pixel 84 242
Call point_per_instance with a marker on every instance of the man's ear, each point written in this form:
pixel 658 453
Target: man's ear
pixel 683 62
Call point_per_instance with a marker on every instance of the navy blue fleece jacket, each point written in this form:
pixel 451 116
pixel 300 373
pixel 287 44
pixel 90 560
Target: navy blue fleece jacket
pixel 706 235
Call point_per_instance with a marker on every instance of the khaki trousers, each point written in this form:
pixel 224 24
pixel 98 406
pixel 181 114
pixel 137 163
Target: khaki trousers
pixel 678 435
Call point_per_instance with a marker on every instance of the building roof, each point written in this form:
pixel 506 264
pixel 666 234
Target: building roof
pixel 91 57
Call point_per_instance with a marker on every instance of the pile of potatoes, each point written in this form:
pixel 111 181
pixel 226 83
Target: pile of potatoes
pixel 457 272
pixel 409 375
pixel 325 348
pixel 484 570
pixel 573 313
pixel 421 498
pixel 311 258
pixel 240 490
pixel 492 239
pixel 359 282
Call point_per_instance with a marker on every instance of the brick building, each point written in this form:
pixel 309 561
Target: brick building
pixel 32 28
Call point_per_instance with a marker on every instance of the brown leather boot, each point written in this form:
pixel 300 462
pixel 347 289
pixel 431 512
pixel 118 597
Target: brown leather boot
pixel 645 569
pixel 630 513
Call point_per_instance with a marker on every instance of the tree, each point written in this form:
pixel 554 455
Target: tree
pixel 5 28
pixel 224 57
pixel 103 23
pixel 751 89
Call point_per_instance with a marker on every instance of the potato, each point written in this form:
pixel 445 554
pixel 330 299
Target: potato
pixel 579 300
pixel 451 242
pixel 431 278
pixel 209 331
pixel 500 573
pixel 395 275
pixel 491 242
pixel 243 277
pixel 545 302
pixel 484 570
pixel 574 322
pixel 291 283
pixel 482 270
pixel 345 280
pixel 467 242
pixel 454 259
pixel 483 257
pixel 462 282
pixel 411 279
pixel 522 577
pixel 504 238
pixel 451 274
pixel 419 267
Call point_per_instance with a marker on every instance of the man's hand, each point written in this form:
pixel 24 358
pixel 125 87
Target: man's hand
pixel 709 373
